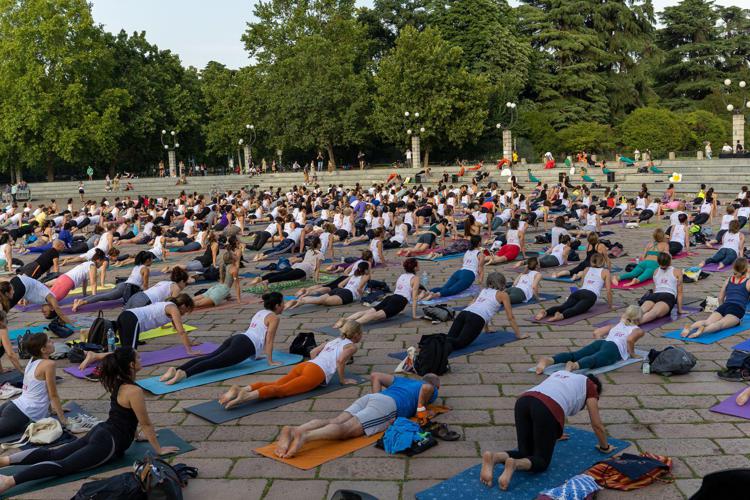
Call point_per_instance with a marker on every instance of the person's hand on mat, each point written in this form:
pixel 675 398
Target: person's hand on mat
pixel 607 449
pixel 349 381
pixel 275 363
pixel 168 450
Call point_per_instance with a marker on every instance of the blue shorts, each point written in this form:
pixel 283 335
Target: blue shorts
pixel 733 309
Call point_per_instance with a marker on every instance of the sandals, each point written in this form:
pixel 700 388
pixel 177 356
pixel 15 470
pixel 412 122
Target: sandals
pixel 442 431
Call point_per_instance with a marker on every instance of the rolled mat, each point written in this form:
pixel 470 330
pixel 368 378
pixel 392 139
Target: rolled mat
pixel 215 413
pixel 472 291
pixel 657 323
pixel 598 309
pixel 571 457
pixel 136 452
pixel 163 331
pixel 150 358
pixel 640 355
pixel 730 407
pixel 153 385
pixel 482 342
pixel 710 338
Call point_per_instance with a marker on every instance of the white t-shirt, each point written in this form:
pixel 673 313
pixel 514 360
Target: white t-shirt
pixel 619 335
pixel 36 291
pixel 80 273
pixel 485 305
pixel 309 262
pixel 160 291
pixel 567 390
pixel 403 286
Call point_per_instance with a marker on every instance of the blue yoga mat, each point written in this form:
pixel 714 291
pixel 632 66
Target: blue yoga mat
pixel 743 346
pixel 14 334
pixel 562 279
pixel 472 291
pixel 710 338
pixel 153 385
pixel 444 257
pixel 571 457
pixel 484 341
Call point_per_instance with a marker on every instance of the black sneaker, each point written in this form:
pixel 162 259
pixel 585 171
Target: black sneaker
pixel 733 375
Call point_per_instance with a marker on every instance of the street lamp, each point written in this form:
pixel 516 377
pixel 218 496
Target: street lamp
pixel 736 102
pixel 247 141
pixel 414 131
pixel 509 117
pixel 170 145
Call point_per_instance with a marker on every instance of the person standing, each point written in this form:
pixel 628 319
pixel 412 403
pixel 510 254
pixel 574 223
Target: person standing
pixel 90 173
pixel 709 151
pixel 319 159
pixel 739 149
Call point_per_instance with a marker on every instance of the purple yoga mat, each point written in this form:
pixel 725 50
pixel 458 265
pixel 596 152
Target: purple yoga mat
pixel 106 304
pixel 151 358
pixel 730 407
pixel 714 268
pixel 652 325
pixel 598 309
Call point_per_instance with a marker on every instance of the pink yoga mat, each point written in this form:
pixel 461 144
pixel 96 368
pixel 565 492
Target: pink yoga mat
pixel 622 285
pixel 598 309
pixel 730 407
pixel 151 358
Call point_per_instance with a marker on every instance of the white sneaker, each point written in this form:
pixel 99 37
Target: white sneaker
pixel 7 391
pixel 80 426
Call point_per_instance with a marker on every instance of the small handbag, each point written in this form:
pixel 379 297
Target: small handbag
pixel 303 344
pixel 44 431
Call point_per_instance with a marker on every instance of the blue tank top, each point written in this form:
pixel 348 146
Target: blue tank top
pixel 405 392
pixel 736 293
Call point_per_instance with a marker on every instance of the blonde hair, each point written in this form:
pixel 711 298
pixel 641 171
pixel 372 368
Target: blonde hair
pixel 632 315
pixel 350 329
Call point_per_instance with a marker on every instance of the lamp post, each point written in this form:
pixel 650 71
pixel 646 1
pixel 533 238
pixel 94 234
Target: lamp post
pixel 247 142
pixel 414 130
pixel 509 115
pixel 728 92
pixel 171 150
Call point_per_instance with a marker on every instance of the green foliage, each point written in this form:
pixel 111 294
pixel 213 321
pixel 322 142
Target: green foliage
pixel 659 130
pixel 704 126
pixel 585 136
pixel 537 128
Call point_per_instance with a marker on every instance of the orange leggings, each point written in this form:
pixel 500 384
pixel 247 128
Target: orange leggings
pixel 303 377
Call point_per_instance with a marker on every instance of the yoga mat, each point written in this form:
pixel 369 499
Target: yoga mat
pixel 743 346
pixel 305 309
pixel 562 279
pixel 153 385
pixel 622 286
pixel 17 332
pixel 136 452
pixel 399 319
pixel 79 290
pixel 571 457
pixel 356 243
pixel 443 257
pixel 472 291
pixel 730 407
pixel 215 413
pixel 485 340
pixel 95 307
pixel 640 356
pixel 163 331
pixel 657 323
pixel 72 410
pixel 714 268
pixel 282 285
pixel 598 309
pixel 150 358
pixel 710 338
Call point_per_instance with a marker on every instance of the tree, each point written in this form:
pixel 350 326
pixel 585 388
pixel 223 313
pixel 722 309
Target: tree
pixel 659 130
pixel 424 73
pixel 585 136
pixel 734 33
pixel 703 126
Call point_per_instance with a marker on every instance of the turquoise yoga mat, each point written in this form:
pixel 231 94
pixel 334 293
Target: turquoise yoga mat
pixel 710 338
pixel 640 356
pixel 154 386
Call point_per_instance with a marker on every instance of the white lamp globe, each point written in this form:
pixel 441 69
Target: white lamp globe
pixel 408 131
pixel 163 132
pixel 742 84
pixel 730 107
pixel 252 127
pixel 173 133
pixel 416 115
pixel 166 147
pixel 498 126
pixel 513 105
pixel 727 82
pixel 421 129
pixel 177 145
pixel 406 114
pixel 241 141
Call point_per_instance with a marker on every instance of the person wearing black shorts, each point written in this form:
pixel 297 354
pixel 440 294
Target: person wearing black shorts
pixel 667 291
pixel 351 289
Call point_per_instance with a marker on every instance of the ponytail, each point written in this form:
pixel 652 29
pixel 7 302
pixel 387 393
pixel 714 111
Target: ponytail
pixel 116 369
pixel 5 289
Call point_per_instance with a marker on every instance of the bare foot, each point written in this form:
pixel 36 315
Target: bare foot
pixel 87 360
pixel 540 315
pixel 505 477
pixel 298 440
pixel 229 395
pixel 339 323
pixel 542 364
pixel 702 264
pixel 6 483
pixel 282 445
pixel 572 366
pixel 76 305
pixel 557 317
pixel 291 304
pixel 177 377
pixel 488 465
pixel 685 332
pixel 743 397
pixel 243 396
pixel 168 374
pixel 697 333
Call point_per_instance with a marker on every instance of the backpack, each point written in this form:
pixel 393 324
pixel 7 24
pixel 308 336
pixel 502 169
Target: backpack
pixel 373 297
pixel 631 472
pixel 123 486
pixel 99 328
pixel 158 479
pixel 690 276
pixel 60 329
pixel 439 313
pixel 433 354
pixel 671 361
pixel 23 353
pixel 77 352
pixel 303 344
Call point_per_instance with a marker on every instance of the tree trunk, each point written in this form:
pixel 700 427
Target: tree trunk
pixel 331 157
pixel 426 157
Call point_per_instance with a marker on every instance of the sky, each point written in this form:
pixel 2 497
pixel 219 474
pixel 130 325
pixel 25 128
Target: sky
pixel 200 31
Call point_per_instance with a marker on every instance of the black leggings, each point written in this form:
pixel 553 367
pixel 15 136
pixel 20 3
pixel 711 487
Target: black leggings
pixel 581 266
pixel 700 219
pixel 645 215
pixel 548 261
pixel 285 275
pixel 92 450
pixel 388 244
pixel 465 329
pixel 675 248
pixel 128 329
pixel 76 248
pixel 233 350
pixel 612 213
pixel 579 302
pixel 12 420
pixel 259 238
pixel 537 432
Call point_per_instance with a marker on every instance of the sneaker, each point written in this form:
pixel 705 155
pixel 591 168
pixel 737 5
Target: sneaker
pixel 80 426
pixel 730 375
pixel 7 391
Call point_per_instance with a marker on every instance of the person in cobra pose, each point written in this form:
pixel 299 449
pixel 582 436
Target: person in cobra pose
pixel 667 291
pixel 161 291
pixel 473 268
pixel 348 291
pixel 732 245
pixel 647 266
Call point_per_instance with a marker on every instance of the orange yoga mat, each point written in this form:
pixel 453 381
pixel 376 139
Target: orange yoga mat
pixel 315 453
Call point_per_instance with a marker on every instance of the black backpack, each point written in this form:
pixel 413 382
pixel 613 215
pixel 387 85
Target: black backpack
pixel 433 354
pixel 439 313
pixel 60 329
pixel 159 480
pixel 99 328
pixel 123 486
pixel 303 344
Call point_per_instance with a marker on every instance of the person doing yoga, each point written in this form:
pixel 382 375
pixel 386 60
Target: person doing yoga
pixel 107 441
pixel 346 292
pixel 229 276
pixel 406 292
pixel 593 247
pixel 256 342
pixel 80 276
pixel 326 360
pixel 614 343
pixel 732 245
pixel 514 245
pixel 667 291
pixel 137 281
pixel 21 287
pixel 39 389
pixel 427 239
pixel 554 256
pixel 645 268
pixel 733 298
pixel 478 315
pixel 679 236
pixel 472 268
pixel 540 419
pixel 309 268
pixel 594 279
pixel 391 397
pixel 161 291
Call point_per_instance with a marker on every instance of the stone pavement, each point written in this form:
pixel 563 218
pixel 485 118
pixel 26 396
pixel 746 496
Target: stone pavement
pixel 658 414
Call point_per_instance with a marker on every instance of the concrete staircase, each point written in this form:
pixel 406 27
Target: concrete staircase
pixel 726 176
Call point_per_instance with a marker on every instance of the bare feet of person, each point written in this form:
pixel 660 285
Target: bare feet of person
pixel 291 304
pixel 633 282
pixel 168 374
pixel 298 440
pixel 229 395
pixel 488 466
pixel 76 305
pixel 702 263
pixel 556 317
pixel 6 483
pixel 243 396
pixel 178 376
pixel 542 364
pixel 540 315
pixel 572 366
pixel 505 477
pixel 282 445
pixel 720 267
pixel 743 397
pixel 87 360
pixel 697 333
pixel 685 332
pixel 339 323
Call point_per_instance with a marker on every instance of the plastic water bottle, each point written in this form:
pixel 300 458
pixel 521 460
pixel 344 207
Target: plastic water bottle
pixel 646 367
pixel 424 280
pixel 111 340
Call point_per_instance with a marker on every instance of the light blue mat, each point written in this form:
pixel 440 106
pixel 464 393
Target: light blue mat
pixel 444 257
pixel 154 386
pixel 640 356
pixel 571 457
pixel 472 291
pixel 710 338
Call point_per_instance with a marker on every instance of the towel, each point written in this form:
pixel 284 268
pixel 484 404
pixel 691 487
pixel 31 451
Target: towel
pixel 400 435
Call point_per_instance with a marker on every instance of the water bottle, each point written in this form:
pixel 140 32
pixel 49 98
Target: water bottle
pixel 111 340
pixel 424 280
pixel 646 367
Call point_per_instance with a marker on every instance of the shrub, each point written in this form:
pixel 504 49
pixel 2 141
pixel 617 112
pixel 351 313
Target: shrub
pixel 659 130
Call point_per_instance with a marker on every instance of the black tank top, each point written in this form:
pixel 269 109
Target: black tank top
pixel 122 424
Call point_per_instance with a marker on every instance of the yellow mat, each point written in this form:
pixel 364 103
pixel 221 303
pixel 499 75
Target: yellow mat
pixel 163 331
pixel 79 290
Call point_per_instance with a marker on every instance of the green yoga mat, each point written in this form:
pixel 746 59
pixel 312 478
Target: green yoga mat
pixel 285 285
pixel 136 452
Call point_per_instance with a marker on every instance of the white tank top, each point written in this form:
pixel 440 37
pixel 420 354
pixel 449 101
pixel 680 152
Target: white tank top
pixel 665 281
pixel 257 330
pixel 103 243
pixel 403 286
pixel 567 390
pixel 653 207
pixel 158 249
pixel 374 250
pixel 135 277
pixel 325 240
pixel 591 220
pixel 619 335
pixel 640 203
pixel 725 220
pixel 706 208
pixel 557 252
pixel 400 235
pixel 159 292
pixel 526 283
pixel 34 400
pixel 151 316
pixel 678 234
pixel 593 281
pixel 485 305
pixel 327 357
pixel 471 261
pixel 80 273
pixel 743 212
pixel 731 240
pixel 353 286
pixel 346 224
pixel 512 238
